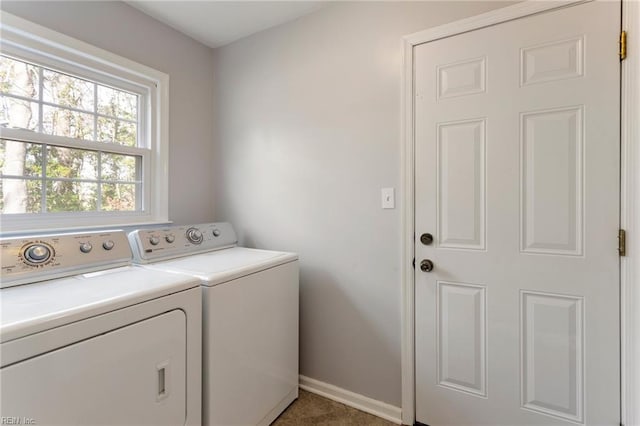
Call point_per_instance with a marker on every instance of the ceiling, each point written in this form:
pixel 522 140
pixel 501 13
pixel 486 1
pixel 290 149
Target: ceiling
pixel 216 23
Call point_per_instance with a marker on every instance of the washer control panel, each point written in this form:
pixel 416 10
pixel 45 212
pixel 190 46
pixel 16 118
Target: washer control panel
pixel 37 258
pixel 149 245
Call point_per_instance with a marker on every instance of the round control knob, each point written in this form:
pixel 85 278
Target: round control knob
pixel 194 235
pixel 216 232
pixel 37 253
pixel 108 245
pixel 154 241
pixel 86 247
pixel 170 238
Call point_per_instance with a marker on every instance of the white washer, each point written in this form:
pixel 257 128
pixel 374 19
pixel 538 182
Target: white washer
pixel 119 345
pixel 250 318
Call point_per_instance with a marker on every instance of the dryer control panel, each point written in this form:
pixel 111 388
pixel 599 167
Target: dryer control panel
pixel 37 258
pixel 149 245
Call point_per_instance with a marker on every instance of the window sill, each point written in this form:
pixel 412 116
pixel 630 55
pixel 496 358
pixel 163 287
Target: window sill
pixel 125 226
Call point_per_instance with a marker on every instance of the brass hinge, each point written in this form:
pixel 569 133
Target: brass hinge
pixel 622 242
pixel 623 45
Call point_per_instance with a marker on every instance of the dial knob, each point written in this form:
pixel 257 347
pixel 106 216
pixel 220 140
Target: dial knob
pixel 216 232
pixel 170 238
pixel 194 235
pixel 37 253
pixel 108 245
pixel 154 241
pixel 86 247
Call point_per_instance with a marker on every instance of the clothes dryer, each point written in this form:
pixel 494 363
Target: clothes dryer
pixel 250 318
pixel 88 339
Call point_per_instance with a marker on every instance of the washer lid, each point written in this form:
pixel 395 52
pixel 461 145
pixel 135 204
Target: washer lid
pixel 225 265
pixel 31 308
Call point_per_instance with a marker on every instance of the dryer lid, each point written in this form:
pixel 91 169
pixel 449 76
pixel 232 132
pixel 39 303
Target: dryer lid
pixel 224 265
pixel 28 309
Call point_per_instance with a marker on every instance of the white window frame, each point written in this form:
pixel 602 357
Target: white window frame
pixel 50 49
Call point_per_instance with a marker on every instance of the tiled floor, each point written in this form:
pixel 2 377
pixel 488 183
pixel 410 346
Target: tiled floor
pixel 311 409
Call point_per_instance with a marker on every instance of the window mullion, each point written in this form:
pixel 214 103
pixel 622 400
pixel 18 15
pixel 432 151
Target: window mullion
pixel 141 186
pixel 63 141
pixel 42 103
pixel 43 179
pixel 99 200
pixel 95 112
pixel 141 117
pixel 20 97
pixel 111 117
pixel 65 107
pixel 40 100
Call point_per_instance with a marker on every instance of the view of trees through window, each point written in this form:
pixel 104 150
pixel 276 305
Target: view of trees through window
pixel 51 177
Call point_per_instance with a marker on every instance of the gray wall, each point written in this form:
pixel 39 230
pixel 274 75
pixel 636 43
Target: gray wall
pixel 307 132
pixel 124 30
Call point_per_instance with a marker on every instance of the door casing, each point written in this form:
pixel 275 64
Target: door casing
pixel 630 196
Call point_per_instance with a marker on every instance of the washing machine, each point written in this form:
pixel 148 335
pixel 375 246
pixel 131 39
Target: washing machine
pixel 250 318
pixel 88 339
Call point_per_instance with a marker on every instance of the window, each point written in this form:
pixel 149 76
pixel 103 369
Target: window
pixel 82 134
pixel 43 178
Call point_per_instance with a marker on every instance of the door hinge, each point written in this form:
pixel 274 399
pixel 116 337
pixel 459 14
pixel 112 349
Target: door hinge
pixel 623 45
pixel 622 242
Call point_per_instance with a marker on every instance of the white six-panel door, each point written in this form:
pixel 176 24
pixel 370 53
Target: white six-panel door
pixel 517 179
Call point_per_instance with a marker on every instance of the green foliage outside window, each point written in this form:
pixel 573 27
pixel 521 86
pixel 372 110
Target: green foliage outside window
pixel 37 178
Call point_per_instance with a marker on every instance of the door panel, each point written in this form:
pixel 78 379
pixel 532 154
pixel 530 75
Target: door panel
pixel 517 178
pixel 461 183
pixel 552 354
pixel 462 337
pixel 551 181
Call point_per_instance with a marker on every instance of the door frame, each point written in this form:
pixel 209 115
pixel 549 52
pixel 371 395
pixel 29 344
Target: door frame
pixel 629 196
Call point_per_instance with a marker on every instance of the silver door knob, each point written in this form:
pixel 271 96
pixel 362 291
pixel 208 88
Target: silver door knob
pixel 426 265
pixel 426 239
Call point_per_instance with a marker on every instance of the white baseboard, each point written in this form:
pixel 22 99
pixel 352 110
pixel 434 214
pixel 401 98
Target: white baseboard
pixel 352 399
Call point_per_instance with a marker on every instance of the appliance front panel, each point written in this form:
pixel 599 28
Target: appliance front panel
pixel 132 375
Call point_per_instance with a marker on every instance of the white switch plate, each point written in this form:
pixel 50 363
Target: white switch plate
pixel 388 198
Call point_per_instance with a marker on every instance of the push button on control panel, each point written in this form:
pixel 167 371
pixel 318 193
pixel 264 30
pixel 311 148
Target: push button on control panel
pixel 108 245
pixel 216 232
pixel 170 238
pixel 154 241
pixel 86 247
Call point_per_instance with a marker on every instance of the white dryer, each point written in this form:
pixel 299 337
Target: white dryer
pixel 250 318
pixel 119 345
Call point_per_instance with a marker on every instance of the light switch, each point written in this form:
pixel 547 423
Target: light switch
pixel 388 198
